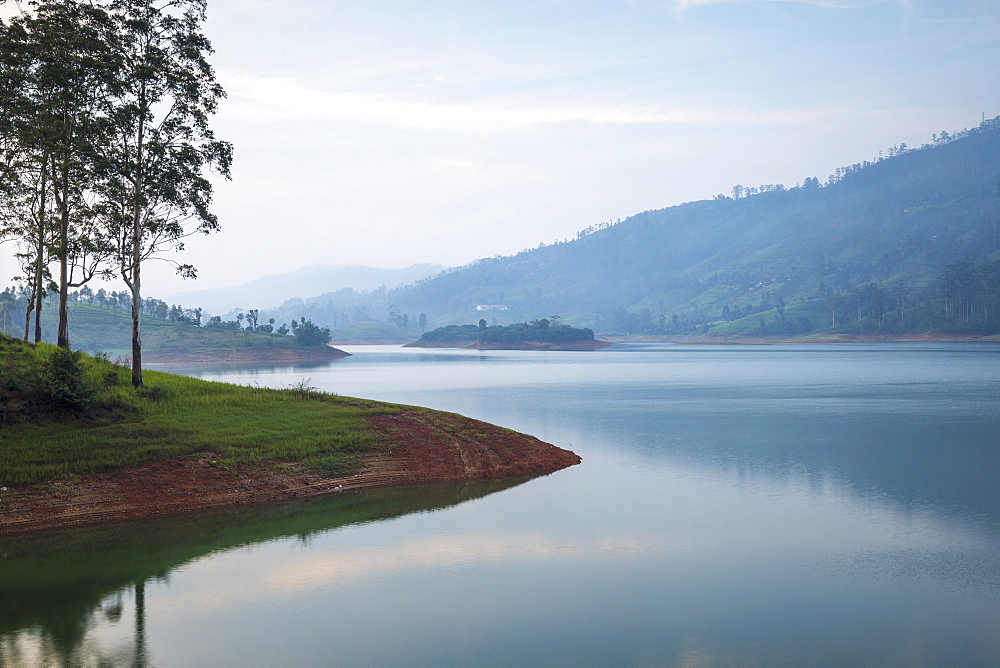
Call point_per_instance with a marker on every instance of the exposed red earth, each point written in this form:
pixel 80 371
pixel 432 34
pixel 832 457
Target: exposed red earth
pixel 842 338
pixel 520 345
pixel 244 355
pixel 423 446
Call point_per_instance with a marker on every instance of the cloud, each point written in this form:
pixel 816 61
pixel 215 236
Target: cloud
pixel 10 9
pixel 272 99
pixel 312 571
pixel 255 98
pixel 682 5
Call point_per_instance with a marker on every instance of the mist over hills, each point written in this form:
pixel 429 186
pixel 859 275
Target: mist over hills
pixel 905 243
pixel 876 231
pixel 898 220
pixel 275 289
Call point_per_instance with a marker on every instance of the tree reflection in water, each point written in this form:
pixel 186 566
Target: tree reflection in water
pixel 64 593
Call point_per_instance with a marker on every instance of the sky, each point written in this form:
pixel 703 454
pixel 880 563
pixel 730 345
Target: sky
pixel 389 133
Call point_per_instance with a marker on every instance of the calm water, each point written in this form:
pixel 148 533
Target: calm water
pixel 737 505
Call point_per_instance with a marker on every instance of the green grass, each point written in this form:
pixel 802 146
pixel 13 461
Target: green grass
pixel 813 311
pixel 174 415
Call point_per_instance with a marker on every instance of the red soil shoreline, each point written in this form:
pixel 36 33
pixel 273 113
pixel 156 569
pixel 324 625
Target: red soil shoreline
pixel 847 338
pixel 244 355
pixel 524 345
pixel 421 446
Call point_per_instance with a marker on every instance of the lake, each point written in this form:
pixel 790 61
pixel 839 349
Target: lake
pixel 737 505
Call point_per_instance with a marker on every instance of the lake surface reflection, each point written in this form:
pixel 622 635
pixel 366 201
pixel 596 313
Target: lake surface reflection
pixel 749 505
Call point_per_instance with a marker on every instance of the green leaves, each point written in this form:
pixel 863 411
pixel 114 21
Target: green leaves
pixel 66 381
pixel 104 106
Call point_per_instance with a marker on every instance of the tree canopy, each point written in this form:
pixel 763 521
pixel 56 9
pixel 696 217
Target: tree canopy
pixel 105 140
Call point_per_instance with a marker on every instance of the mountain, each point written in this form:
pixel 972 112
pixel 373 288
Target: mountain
pixel 897 222
pixel 270 291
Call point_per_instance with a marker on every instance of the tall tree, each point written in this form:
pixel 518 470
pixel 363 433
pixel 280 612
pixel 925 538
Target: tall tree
pixel 58 59
pixel 23 173
pixel 153 171
pixel 25 218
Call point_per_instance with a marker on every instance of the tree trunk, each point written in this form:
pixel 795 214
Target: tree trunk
pixel 38 309
pixel 27 316
pixel 136 338
pixel 39 265
pixel 40 259
pixel 135 256
pixel 62 339
pixel 135 284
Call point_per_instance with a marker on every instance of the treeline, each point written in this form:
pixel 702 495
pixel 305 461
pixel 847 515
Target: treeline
pixel 105 144
pixel 541 330
pixel 971 295
pixel 150 306
pixel 16 302
pixel 964 298
pixel 306 332
pixel 452 333
pixel 841 173
pixel 14 305
pixel 902 216
pixel 346 307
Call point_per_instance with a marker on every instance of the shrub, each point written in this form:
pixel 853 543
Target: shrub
pixel 111 378
pixel 303 389
pixel 308 334
pixel 155 392
pixel 65 380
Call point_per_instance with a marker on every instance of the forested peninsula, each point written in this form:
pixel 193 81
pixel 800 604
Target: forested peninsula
pixel 82 445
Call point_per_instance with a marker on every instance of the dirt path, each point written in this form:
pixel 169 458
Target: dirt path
pixel 422 445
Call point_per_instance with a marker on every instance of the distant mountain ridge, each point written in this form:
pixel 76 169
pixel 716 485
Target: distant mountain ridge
pixel 272 290
pixel 895 221
pixel 787 261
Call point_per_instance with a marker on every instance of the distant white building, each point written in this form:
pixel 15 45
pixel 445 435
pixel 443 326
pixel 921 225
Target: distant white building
pixel 492 307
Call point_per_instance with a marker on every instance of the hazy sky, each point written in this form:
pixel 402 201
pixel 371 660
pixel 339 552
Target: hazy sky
pixel 389 133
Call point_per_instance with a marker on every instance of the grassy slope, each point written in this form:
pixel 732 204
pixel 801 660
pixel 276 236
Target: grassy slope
pixel 175 415
pixel 814 311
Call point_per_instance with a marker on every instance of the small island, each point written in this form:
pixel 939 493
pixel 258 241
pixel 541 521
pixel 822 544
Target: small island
pixel 540 334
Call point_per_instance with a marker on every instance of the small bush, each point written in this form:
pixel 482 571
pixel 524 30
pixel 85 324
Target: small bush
pixel 111 378
pixel 155 392
pixel 308 334
pixel 65 379
pixel 10 374
pixel 303 389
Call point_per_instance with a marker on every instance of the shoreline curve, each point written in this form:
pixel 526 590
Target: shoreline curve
pixel 418 445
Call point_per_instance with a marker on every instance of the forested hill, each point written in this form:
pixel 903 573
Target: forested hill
pixel 897 222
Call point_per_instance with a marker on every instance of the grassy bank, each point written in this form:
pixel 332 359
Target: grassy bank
pixel 67 416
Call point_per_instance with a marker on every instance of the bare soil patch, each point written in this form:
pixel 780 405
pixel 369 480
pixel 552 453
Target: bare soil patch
pixel 516 345
pixel 284 354
pixel 419 446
